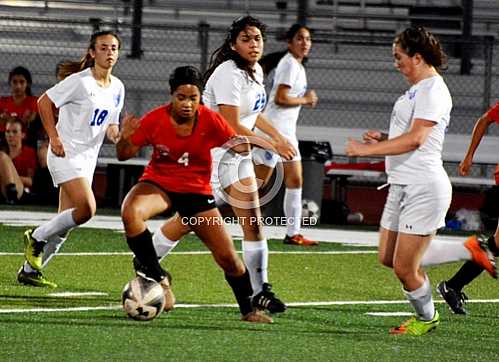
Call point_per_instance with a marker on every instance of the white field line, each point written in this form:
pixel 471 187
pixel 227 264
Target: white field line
pixel 77 294
pixel 119 253
pixel 298 304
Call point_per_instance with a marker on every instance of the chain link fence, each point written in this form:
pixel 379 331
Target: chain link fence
pixel 353 75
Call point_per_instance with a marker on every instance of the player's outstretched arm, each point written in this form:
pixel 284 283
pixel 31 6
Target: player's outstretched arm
pixel 481 126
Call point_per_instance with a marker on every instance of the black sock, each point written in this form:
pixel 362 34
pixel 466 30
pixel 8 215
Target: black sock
pixel 491 243
pixel 464 276
pixel 11 193
pixel 241 287
pixel 143 248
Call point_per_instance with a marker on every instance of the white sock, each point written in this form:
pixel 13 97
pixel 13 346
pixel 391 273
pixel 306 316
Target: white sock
pixel 53 245
pixel 293 210
pixel 256 257
pixel 58 225
pixel 444 251
pixel 422 301
pixel 162 244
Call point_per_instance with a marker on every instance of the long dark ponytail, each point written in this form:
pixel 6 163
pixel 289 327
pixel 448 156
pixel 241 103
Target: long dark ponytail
pixel 270 61
pixel 225 52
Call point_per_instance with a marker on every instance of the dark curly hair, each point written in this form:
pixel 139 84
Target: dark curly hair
pixel 186 75
pixel 225 52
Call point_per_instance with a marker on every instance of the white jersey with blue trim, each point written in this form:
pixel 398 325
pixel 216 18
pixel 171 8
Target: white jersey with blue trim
pixel 230 85
pixel 85 110
pixel 292 73
pixel 429 99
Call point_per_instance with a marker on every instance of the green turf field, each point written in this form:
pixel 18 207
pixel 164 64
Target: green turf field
pixel 317 327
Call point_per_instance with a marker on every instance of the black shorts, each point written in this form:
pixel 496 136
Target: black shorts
pixel 187 204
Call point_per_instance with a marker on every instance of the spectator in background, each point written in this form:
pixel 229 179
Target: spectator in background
pixel 17 163
pixel 21 103
pixel 451 290
pixel 89 102
pixel 289 92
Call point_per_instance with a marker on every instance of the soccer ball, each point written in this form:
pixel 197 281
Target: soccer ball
pixel 311 210
pixel 143 299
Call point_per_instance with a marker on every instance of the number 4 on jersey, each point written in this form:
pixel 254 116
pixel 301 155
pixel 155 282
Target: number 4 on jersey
pixel 184 159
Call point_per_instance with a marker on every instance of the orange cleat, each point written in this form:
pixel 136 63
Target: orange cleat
pixel 481 255
pixel 299 239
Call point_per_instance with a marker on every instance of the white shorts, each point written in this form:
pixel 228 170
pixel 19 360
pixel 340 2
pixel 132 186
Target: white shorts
pixel 227 169
pixel 264 157
pixel 418 209
pixel 70 167
pixel 292 139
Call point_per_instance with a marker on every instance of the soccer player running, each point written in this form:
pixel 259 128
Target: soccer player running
pixel 289 92
pixel 89 102
pixel 451 290
pixel 182 134
pixel 420 191
pixel 235 89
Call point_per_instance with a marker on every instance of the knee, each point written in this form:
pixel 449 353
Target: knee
pixel 130 213
pixel 403 273
pixel 3 157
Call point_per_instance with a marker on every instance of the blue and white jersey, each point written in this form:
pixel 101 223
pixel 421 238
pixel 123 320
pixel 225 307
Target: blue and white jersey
pixel 429 99
pixel 85 111
pixel 232 86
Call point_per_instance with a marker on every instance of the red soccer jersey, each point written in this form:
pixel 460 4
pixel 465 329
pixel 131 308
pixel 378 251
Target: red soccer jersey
pixel 8 106
pixel 493 113
pixel 26 162
pixel 181 164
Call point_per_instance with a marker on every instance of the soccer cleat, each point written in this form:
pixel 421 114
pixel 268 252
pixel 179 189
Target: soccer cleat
pixel 33 250
pixel 35 279
pixel 416 327
pixel 299 239
pixel 455 299
pixel 266 299
pixel 166 283
pixel 257 316
pixel 480 254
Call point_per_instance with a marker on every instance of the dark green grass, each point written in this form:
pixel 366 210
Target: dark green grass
pixel 305 333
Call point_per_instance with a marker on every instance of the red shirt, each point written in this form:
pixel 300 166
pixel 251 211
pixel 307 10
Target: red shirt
pixel 181 164
pixel 493 113
pixel 8 106
pixel 25 162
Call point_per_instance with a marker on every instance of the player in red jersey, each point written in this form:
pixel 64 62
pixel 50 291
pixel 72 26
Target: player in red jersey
pixel 182 133
pixel 451 290
pixel 17 163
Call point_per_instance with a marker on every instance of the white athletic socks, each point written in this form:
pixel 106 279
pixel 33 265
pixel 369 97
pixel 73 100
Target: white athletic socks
pixel 58 225
pixel 53 245
pixel 422 300
pixel 256 258
pixel 293 210
pixel 444 251
pixel 162 244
